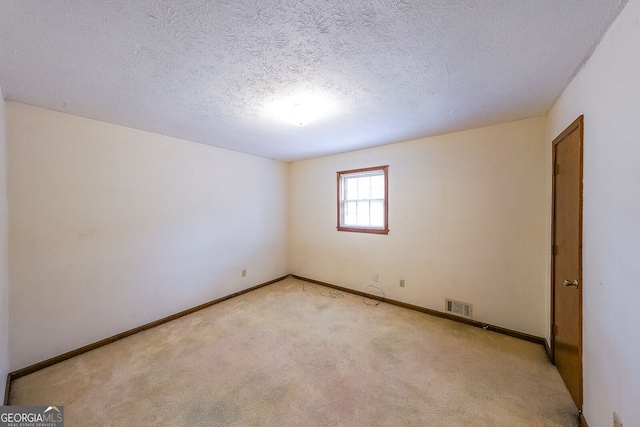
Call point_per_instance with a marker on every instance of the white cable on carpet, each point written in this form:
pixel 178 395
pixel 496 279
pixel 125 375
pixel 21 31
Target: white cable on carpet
pixel 377 301
pixel 332 293
pixel 337 294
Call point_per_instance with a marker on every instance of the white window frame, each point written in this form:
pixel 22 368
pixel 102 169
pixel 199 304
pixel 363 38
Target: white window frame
pixel 356 173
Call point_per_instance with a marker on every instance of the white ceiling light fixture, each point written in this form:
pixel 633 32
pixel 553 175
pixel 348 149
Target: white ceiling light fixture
pixel 302 114
pixel 302 109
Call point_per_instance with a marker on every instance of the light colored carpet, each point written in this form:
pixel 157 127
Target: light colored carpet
pixel 279 356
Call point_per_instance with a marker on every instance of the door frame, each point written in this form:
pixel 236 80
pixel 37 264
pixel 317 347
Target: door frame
pixel 577 124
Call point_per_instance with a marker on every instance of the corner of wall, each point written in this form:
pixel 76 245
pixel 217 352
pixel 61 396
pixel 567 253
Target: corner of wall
pixel 548 219
pixel 289 238
pixel 4 258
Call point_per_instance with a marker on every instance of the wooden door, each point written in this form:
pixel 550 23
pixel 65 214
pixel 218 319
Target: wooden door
pixel 566 334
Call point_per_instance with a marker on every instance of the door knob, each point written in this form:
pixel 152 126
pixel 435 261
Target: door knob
pixel 571 283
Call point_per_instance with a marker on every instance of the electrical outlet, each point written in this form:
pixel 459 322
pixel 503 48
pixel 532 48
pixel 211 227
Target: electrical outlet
pixel 402 283
pixel 375 277
pixel 244 273
pixel 616 420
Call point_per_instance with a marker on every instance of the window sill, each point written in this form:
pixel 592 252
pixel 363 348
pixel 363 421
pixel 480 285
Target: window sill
pixel 363 230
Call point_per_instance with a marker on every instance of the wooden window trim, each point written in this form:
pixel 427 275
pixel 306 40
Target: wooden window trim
pixel 384 230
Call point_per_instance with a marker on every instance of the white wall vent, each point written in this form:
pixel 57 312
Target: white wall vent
pixel 459 308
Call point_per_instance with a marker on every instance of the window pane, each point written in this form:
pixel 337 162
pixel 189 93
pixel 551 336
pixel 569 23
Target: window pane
pixel 377 187
pixel 364 188
pixel 363 213
pixel 351 189
pixel 350 217
pixel 377 213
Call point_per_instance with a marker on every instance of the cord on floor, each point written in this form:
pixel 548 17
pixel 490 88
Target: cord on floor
pixel 337 294
pixel 332 293
pixel 377 301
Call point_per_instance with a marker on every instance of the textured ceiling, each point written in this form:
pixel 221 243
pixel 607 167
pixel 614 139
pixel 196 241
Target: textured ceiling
pixel 211 70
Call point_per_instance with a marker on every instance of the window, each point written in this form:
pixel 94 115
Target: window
pixel 362 200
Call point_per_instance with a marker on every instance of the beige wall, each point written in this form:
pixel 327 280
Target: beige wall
pixel 468 218
pixel 111 228
pixel 4 259
pixel 607 92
